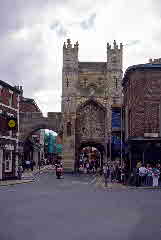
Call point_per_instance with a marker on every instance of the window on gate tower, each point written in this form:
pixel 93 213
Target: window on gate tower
pixel 69 129
pixel 116 82
pixel 85 82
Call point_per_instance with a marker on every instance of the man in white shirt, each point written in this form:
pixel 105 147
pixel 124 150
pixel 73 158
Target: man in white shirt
pixel 142 174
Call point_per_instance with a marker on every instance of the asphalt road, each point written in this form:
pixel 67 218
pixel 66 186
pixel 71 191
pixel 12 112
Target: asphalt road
pixel 73 208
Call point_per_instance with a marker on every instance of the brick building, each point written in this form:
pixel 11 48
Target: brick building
pixel 142 102
pixel 9 108
pixel 28 105
pixel 33 146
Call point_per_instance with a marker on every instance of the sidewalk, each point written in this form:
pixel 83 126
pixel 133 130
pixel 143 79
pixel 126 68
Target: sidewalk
pixel 100 182
pixel 27 176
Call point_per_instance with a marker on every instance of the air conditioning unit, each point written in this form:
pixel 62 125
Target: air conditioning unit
pixel 154 135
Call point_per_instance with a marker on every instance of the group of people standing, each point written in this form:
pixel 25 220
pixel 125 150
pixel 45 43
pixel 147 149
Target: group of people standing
pixel 149 175
pixel 116 172
pixel 89 166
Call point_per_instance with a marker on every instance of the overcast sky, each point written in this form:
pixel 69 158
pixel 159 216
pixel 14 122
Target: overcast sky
pixel 32 33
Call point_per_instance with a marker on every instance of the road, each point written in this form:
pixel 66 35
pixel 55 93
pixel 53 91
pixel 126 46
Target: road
pixel 73 208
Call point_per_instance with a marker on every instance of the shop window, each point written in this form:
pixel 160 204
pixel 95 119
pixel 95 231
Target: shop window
pixel 11 99
pixel 8 161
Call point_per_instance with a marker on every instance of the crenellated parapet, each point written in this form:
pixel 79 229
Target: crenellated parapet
pixel 114 56
pixel 70 55
pixel 155 61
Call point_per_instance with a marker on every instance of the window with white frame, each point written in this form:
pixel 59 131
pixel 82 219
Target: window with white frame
pixel 10 98
pixel 8 160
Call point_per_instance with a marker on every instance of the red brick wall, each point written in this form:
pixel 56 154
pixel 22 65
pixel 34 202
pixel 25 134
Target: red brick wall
pixel 28 107
pixel 142 96
pixel 5 95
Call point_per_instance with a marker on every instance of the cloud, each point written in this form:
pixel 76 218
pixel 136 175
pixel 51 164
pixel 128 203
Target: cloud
pixel 132 43
pixel 32 35
pixel 60 30
pixel 89 23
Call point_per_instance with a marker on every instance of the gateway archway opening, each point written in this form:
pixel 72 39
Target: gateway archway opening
pixel 41 147
pixel 90 155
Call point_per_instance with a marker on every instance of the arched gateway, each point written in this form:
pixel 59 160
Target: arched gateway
pixel 32 121
pixel 91 119
pixel 88 91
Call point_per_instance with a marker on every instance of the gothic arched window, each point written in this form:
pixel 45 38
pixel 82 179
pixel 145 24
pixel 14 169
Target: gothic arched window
pixel 69 129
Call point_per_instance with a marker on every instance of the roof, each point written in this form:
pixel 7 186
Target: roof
pixel 139 67
pixel 99 66
pixel 30 100
pixel 144 139
pixel 14 89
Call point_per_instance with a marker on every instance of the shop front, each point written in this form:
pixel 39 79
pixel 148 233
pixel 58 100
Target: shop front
pixel 7 159
pixel 144 150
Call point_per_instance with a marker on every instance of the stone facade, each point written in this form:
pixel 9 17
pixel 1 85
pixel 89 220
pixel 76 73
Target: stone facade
pixel 88 91
pixel 32 121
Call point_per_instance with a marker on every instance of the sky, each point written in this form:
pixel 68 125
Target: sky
pixel 32 33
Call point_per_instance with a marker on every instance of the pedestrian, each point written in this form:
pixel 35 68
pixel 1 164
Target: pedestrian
pixel 87 166
pixel 142 174
pixel 106 172
pixel 19 172
pixel 28 165
pixel 155 176
pixel 149 175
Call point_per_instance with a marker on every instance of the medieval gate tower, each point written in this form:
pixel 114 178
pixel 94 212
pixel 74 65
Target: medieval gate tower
pixel 88 91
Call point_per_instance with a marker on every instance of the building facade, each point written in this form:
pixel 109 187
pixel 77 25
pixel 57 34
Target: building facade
pixel 142 103
pixel 32 148
pixel 89 90
pixel 9 109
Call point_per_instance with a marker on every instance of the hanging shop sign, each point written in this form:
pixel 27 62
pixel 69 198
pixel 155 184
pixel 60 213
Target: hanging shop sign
pixel 12 123
pixel 116 119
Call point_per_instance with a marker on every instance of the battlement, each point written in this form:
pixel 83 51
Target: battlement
pixel 68 45
pixel 70 54
pixel 155 61
pixel 115 46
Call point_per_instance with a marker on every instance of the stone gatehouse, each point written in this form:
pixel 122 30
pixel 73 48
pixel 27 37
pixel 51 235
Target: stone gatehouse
pixel 89 90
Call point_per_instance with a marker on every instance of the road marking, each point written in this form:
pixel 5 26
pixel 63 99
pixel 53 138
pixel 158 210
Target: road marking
pixel 79 182
pixel 7 190
pixel 91 182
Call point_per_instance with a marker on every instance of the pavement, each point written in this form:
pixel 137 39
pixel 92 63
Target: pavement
pixel 100 182
pixel 75 208
pixel 27 176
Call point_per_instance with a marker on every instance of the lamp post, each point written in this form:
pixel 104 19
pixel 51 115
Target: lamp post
pixel 18 131
pixel 121 137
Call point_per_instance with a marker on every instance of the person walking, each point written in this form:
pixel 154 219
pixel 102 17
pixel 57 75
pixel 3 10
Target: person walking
pixel 28 165
pixel 106 172
pixel 155 176
pixel 19 172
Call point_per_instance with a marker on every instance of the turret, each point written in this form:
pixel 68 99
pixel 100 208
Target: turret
pixel 114 56
pixel 70 55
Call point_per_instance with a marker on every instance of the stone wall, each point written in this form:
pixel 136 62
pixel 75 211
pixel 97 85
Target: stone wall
pixel 84 81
